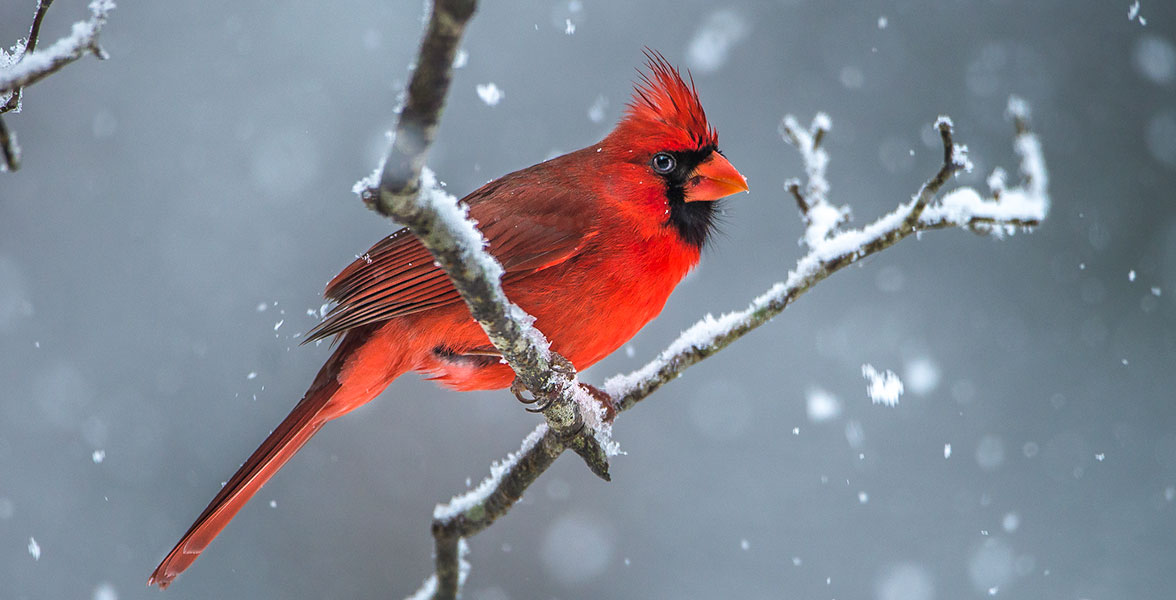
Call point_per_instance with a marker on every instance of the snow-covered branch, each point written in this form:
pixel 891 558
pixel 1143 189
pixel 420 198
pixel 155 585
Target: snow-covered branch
pixel 26 65
pixel 403 189
pixel 1003 213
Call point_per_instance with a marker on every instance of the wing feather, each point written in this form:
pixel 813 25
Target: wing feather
pixel 533 230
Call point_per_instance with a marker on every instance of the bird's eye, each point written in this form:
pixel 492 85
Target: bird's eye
pixel 663 163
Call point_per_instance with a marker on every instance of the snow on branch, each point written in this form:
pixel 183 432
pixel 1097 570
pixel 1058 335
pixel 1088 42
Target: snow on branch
pixel 831 249
pixel 26 65
pixel 1003 213
pixel 405 190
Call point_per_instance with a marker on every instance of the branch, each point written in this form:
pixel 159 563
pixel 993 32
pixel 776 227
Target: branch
pixel 1003 214
pixel 1022 207
pixel 27 66
pixel 403 189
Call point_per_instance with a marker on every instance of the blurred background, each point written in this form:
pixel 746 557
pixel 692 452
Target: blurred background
pixel 182 204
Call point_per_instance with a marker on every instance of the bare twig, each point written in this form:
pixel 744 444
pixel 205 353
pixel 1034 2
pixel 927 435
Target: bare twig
pixel 9 148
pixel 29 66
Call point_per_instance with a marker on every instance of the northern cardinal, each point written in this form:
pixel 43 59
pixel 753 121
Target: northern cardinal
pixel 592 244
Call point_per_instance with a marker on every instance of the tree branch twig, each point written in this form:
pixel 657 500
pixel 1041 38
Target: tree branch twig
pixel 28 66
pixel 403 189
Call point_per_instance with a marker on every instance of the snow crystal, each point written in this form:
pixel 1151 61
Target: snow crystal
pixel 1133 14
pixel 273 503
pixel 278 324
pixel 883 22
pixel 884 388
pixel 569 27
pixel 251 375
pixel 821 406
pixel 461 58
pixel 1155 59
pixel 490 93
pixel 34 549
pixel 1101 456
pixel 863 498
pixel 1131 275
pixel 714 38
pixel 744 544
pixel 946 451
pixel 463 502
pixel 1156 291
pixel 596 111
pixel 98 456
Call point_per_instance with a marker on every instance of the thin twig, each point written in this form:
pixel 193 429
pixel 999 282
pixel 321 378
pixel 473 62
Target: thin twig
pixel 9 148
pixel 32 66
pixel 29 46
pixel 82 40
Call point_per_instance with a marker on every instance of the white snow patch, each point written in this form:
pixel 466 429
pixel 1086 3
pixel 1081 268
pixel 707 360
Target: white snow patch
pixel 490 93
pixel 34 549
pixel 461 58
pixel 821 405
pixel 714 38
pixel 884 388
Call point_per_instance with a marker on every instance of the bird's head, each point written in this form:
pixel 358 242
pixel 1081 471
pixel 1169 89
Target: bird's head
pixel 668 142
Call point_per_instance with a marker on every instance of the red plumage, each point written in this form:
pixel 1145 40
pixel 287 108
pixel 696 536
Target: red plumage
pixel 592 244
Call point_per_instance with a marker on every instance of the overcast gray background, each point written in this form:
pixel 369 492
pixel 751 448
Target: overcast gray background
pixel 205 170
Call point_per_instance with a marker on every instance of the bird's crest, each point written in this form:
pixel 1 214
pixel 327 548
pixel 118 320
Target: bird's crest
pixel 663 99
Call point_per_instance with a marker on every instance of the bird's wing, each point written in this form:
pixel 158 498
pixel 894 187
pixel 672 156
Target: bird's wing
pixel 529 229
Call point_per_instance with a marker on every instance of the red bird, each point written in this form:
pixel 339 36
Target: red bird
pixel 592 244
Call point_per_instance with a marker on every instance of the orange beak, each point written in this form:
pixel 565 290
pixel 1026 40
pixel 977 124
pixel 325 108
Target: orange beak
pixel 713 179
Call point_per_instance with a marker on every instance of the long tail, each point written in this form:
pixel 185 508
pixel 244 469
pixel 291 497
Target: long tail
pixel 295 430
